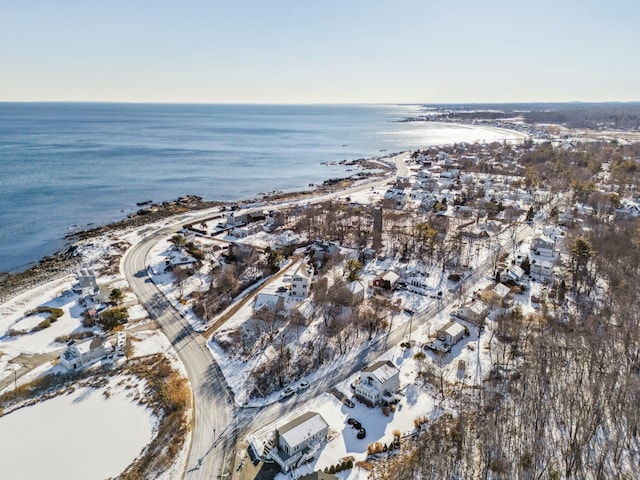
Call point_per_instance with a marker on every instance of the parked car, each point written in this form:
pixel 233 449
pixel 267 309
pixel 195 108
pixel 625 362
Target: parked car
pixel 354 423
pixel 281 289
pixel 361 434
pixel 287 392
pixel 303 386
pixel 348 403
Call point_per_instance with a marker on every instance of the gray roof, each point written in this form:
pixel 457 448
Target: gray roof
pixel 318 476
pixel 383 370
pixel 305 426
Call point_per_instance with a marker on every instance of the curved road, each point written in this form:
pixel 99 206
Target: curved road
pixel 212 401
pixel 214 432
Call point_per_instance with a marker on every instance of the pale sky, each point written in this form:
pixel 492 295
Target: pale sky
pixel 322 51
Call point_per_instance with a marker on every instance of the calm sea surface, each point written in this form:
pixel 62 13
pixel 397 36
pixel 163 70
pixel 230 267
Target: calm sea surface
pixel 70 165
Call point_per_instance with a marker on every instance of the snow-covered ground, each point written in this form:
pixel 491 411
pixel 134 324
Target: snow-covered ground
pixel 418 400
pixel 92 433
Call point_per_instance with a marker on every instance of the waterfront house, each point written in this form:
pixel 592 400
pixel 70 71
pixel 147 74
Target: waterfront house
pixel 87 288
pixel 178 258
pixel 79 354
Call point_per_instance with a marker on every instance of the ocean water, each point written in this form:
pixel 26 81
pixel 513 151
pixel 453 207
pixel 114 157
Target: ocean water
pixel 66 166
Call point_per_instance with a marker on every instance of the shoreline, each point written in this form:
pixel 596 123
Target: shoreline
pixel 520 136
pixel 65 260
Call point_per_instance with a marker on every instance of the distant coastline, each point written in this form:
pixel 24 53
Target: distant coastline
pixel 65 261
pixel 96 162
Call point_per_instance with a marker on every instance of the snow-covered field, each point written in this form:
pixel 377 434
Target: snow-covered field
pixel 88 434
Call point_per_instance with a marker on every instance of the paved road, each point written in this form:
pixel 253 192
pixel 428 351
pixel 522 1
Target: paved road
pixel 213 403
pixel 217 421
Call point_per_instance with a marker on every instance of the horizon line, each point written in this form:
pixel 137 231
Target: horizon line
pixel 143 102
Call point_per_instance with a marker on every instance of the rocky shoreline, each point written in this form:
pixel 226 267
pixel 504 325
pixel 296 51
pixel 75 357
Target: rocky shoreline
pixel 67 260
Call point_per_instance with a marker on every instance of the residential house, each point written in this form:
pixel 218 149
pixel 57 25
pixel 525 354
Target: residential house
pixel 451 333
pixel 627 212
pixel 79 354
pixel 301 281
pixel 178 258
pixel 474 312
pixel 514 272
pixel 378 383
pixel 287 238
pixel 87 288
pixel 543 246
pixel 268 301
pixel 236 219
pixel 299 440
pixel 357 289
pixel 388 280
pixel 394 198
pixel 542 267
pixel 500 291
pixel 273 220
pixel 318 476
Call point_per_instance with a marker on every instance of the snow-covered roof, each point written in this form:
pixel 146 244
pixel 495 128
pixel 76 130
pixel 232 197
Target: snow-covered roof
pixel 501 290
pixel 382 370
pixel 390 277
pixel 543 262
pixel 541 239
pixel 516 271
pixel 298 430
pixel 453 328
pixel 269 300
pixel 180 258
pixel 303 271
pixel 88 345
pixel 356 287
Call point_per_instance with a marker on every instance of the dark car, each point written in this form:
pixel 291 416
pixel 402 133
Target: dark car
pixel 361 434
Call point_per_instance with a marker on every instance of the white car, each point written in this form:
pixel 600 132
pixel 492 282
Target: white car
pixel 303 386
pixel 287 392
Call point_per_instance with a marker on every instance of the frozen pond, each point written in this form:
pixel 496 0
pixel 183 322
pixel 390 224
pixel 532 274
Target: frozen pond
pixel 80 436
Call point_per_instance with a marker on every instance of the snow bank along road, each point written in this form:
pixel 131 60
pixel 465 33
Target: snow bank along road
pixel 212 400
pixel 214 436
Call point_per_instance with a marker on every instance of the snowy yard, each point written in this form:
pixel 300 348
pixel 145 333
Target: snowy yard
pixel 87 434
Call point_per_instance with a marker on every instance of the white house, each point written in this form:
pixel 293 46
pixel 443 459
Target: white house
pixel 515 273
pixel 236 219
pixel 78 354
pixel 542 267
pixel 299 440
pixel 474 312
pixel 451 333
pixel 179 257
pixel 300 281
pixel 378 383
